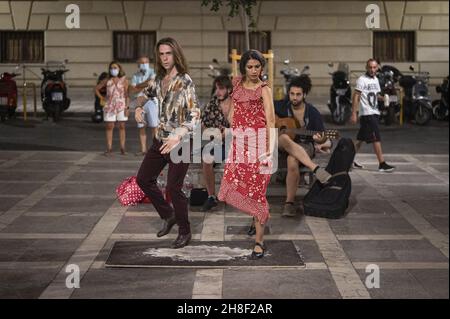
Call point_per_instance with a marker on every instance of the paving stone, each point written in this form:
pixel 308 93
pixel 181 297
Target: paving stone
pixel 60 224
pixel 137 283
pixel 12 249
pixel 50 250
pixel 10 155
pixel 28 176
pixel 54 156
pixel 364 192
pixel 392 250
pixel 309 250
pixel 431 159
pixel 426 192
pixel 18 188
pixel 7 202
pixel 151 225
pixel 112 165
pixel 284 284
pixel 397 178
pixel 25 284
pixel 289 225
pixel 100 177
pixel 379 226
pixel 41 166
pixel 434 281
pixel 85 189
pixel 434 211
pixel 441 168
pixel 396 284
pixel 72 204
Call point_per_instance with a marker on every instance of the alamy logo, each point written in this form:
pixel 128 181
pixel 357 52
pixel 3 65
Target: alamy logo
pixel 373 19
pixel 73 19
pixel 73 279
pixel 373 279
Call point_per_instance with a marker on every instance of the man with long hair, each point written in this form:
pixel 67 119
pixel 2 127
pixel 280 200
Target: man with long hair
pixel 179 113
pixel 215 116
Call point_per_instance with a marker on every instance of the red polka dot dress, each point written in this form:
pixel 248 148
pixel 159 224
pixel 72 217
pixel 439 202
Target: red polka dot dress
pixel 244 182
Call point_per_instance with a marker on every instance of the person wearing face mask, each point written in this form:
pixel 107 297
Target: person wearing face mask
pixel 116 106
pixel 141 80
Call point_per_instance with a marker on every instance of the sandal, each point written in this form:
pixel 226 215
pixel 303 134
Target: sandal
pixel 252 229
pixel 257 255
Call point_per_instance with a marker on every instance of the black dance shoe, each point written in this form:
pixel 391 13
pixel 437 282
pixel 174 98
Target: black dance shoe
pixel 168 224
pixel 258 255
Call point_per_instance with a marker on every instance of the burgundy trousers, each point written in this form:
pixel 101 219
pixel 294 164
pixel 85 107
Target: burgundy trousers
pixel 152 165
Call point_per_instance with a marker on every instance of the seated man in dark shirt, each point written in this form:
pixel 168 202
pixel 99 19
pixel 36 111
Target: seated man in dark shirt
pixel 301 150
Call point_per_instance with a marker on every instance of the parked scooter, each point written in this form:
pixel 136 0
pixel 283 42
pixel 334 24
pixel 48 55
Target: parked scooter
pixel 97 117
pixel 289 73
pixel 340 103
pixel 417 100
pixel 8 95
pixel 389 108
pixel 54 91
pixel 440 107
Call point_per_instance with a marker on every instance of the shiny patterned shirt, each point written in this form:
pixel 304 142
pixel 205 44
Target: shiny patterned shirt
pixel 179 107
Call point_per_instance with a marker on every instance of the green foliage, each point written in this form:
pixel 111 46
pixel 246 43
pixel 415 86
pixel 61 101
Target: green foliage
pixel 234 6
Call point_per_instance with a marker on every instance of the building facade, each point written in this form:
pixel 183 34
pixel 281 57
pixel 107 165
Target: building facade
pixel 310 33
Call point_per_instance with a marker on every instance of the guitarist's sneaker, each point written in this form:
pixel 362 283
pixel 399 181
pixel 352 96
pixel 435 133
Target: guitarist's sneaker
pixel 384 167
pixel 210 203
pixel 289 210
pixel 322 175
pixel 357 165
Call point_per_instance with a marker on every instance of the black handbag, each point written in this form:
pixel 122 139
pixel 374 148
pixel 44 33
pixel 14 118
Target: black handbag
pixel 198 196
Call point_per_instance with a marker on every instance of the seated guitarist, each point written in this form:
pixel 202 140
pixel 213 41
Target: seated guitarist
pixel 301 149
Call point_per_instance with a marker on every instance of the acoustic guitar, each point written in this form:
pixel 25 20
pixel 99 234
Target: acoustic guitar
pixel 289 126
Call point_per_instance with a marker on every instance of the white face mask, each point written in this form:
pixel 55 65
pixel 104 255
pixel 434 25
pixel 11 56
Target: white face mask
pixel 144 67
pixel 114 72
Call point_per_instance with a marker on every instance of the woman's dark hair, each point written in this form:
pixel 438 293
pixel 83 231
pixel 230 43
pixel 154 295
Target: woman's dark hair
pixel 121 71
pixel 303 81
pixel 251 55
pixel 223 81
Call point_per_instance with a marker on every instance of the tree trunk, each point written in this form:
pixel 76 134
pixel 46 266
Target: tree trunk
pixel 247 34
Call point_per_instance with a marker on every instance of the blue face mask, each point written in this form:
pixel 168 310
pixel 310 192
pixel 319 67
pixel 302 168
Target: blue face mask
pixel 114 72
pixel 144 67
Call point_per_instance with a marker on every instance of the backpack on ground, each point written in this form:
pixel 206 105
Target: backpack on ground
pixel 331 200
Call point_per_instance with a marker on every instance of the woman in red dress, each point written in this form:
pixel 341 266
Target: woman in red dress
pixel 248 167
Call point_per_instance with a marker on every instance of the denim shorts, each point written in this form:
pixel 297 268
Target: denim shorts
pixel 151 115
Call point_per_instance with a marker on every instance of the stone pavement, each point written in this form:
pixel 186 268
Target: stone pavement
pixel 58 208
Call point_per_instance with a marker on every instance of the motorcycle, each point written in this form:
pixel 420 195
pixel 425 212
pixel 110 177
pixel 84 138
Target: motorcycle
pixel 340 103
pixel 97 117
pixel 417 101
pixel 389 108
pixel 8 95
pixel 289 73
pixel 440 107
pixel 216 70
pixel 54 92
